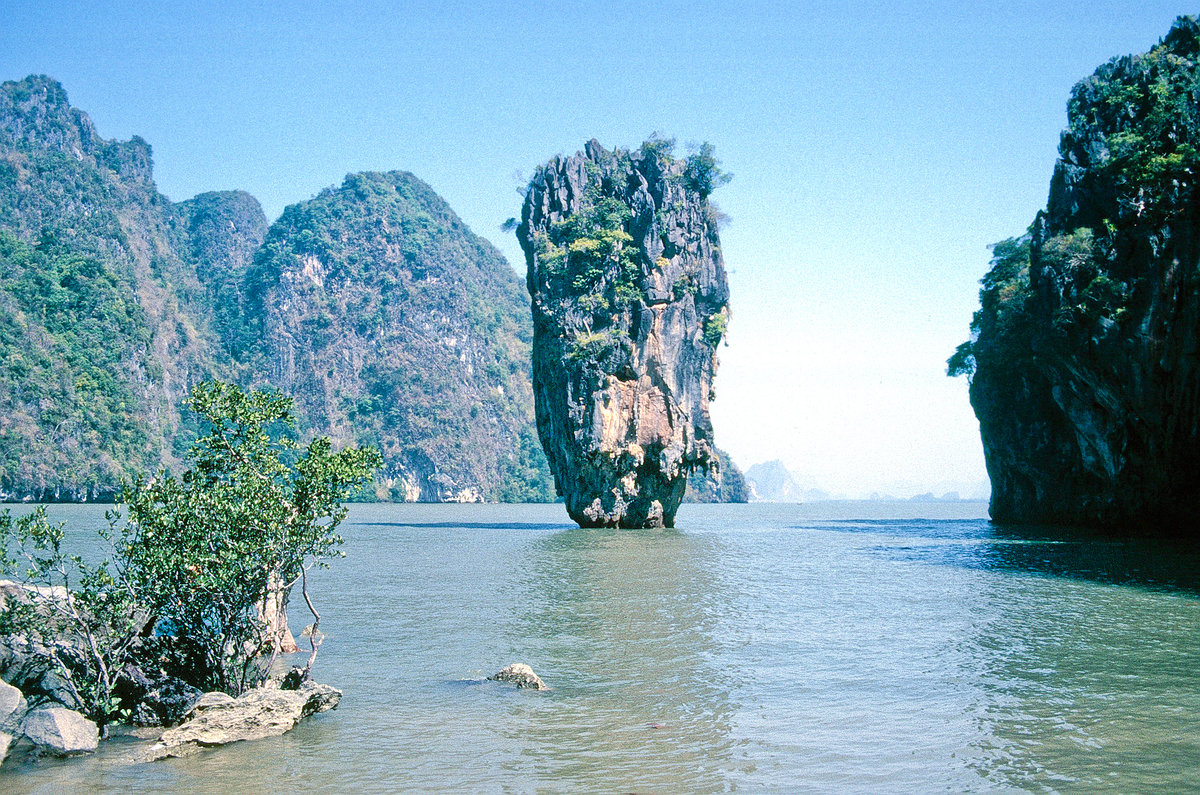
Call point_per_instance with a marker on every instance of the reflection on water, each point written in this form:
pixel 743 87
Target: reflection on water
pixel 838 646
pixel 628 619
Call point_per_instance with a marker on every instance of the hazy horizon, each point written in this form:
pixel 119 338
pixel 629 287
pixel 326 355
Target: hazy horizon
pixel 877 150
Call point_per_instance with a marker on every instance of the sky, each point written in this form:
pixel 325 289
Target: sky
pixel 877 150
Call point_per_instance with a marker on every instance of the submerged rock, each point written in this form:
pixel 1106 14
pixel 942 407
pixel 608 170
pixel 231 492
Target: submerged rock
pixel 1084 366
pixel 218 719
pixel 520 675
pixel 629 304
pixel 61 731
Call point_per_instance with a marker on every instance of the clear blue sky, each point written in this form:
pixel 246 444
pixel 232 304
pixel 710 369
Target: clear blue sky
pixel 877 148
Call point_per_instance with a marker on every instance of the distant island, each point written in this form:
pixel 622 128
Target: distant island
pixel 1083 356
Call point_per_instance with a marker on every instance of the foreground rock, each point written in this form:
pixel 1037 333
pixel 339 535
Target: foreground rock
pixel 12 709
pixel 1086 379
pixel 159 700
pixel 629 304
pixel 61 731
pixel 520 675
pixel 219 719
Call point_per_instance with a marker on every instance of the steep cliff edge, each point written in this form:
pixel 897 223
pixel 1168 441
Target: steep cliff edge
pixel 392 324
pixel 629 304
pixel 104 323
pixel 1085 353
pixel 723 483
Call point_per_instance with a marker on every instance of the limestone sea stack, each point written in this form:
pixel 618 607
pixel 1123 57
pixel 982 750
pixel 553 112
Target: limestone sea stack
pixel 630 301
pixel 1085 353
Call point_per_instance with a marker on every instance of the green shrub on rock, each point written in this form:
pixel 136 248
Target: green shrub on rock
pixel 202 564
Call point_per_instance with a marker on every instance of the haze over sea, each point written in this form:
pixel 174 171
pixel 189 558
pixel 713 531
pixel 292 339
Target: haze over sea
pixel 895 646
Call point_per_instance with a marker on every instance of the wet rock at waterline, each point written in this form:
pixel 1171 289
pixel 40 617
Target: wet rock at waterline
pixel 218 719
pixel 60 731
pixel 520 675
pixel 629 304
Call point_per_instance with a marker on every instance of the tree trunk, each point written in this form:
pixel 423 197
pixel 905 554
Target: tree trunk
pixel 273 613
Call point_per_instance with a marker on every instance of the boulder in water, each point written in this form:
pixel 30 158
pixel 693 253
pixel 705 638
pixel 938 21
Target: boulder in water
pixel 218 719
pixel 520 675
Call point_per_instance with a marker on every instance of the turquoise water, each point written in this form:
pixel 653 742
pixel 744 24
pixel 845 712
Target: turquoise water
pixel 848 646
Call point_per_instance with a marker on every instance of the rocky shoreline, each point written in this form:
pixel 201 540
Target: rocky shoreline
pixel 208 720
pixel 41 713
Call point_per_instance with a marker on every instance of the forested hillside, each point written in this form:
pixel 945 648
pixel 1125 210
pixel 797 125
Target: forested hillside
pixel 393 325
pixel 391 322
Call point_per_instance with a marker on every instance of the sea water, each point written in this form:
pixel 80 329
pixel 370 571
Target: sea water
pixel 828 646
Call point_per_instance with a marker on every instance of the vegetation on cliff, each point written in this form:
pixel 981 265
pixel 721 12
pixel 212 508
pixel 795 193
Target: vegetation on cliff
pixel 373 304
pixel 109 322
pixel 629 304
pixel 393 325
pixel 726 483
pixel 1081 360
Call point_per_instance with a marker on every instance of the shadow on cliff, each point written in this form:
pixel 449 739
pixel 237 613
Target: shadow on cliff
pixel 1162 563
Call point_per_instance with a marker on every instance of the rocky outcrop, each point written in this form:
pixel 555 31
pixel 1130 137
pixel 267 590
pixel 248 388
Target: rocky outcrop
pixel 219 719
pixel 629 304
pixel 726 483
pixel 12 709
pixel 1085 357
pixel 521 675
pixel 60 731
pixel 157 700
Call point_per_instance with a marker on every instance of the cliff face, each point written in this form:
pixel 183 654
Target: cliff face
pixel 629 304
pixel 391 324
pixel 106 322
pixel 1086 350
pixel 724 483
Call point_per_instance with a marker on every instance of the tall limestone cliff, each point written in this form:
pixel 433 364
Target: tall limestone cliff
pixel 629 304
pixel 723 483
pixel 105 321
pixel 1085 356
pixel 390 321
pixel 391 324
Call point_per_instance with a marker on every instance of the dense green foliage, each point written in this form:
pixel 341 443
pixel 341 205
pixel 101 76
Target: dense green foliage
pixel 71 331
pixel 254 508
pixel 587 245
pixel 1151 123
pixel 86 637
pixel 1003 300
pixel 194 558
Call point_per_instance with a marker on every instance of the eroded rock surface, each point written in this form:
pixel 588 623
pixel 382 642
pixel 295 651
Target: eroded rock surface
pixel 218 719
pixel 630 302
pixel 1086 372
pixel 61 731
